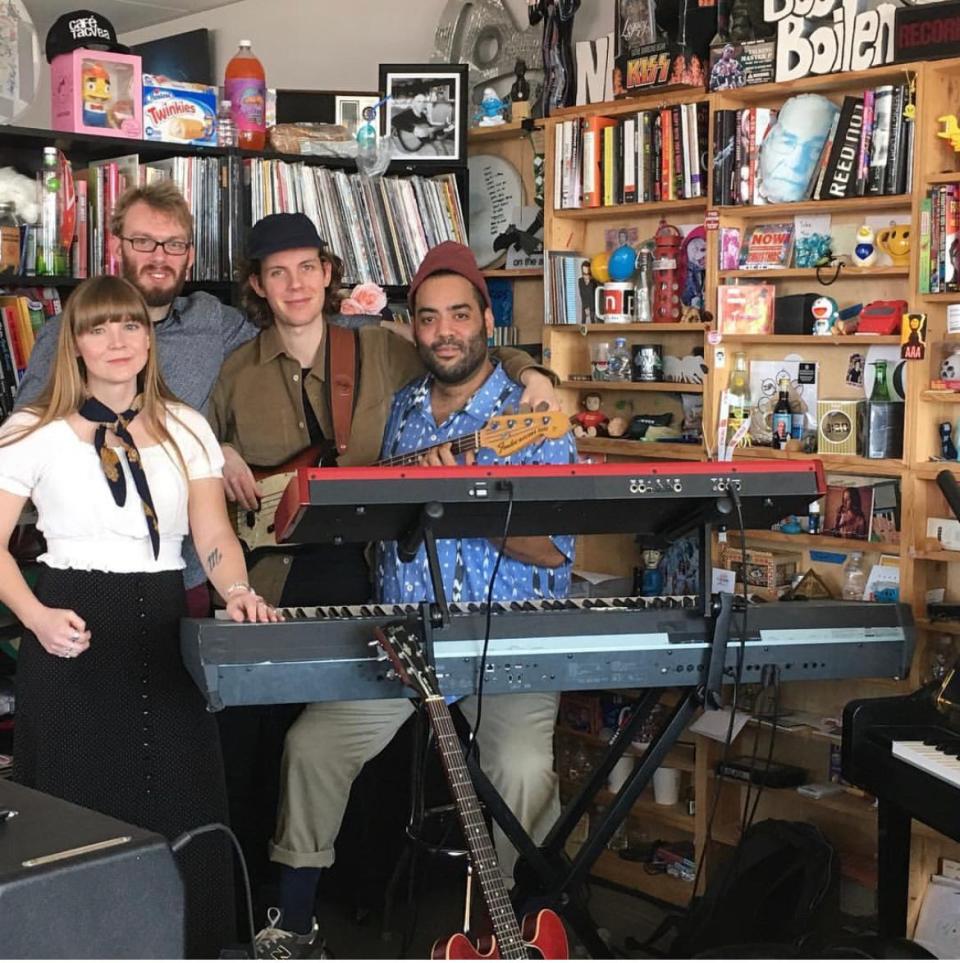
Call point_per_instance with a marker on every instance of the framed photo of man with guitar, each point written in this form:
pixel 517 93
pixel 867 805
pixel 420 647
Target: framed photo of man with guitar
pixel 426 113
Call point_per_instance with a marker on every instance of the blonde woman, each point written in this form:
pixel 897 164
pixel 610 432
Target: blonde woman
pixel 107 716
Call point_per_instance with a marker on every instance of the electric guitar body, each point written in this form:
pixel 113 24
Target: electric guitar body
pixel 543 935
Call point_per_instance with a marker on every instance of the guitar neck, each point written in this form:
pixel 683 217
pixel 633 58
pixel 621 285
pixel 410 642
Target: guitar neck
pixel 458 446
pixel 510 942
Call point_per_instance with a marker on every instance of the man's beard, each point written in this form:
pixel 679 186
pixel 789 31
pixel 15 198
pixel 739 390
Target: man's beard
pixel 473 356
pixel 156 295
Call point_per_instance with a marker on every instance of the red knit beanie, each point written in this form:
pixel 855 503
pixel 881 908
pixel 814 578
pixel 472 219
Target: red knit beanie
pixel 453 257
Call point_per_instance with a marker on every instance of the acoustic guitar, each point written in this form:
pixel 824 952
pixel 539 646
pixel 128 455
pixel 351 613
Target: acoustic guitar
pixel 504 435
pixel 539 935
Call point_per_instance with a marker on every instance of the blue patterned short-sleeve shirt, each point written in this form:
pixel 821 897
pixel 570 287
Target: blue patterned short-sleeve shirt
pixel 467 563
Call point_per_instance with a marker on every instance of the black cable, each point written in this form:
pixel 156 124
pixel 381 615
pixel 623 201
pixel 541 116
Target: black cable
pixel 737 681
pixel 187 837
pixel 472 748
pixel 773 739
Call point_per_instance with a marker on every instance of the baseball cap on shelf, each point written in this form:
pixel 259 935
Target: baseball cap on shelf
pixel 82 28
pixel 281 232
pixel 454 258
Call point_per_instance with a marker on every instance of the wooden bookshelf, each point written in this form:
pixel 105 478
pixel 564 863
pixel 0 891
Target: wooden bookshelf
pixel 844 272
pixel 770 212
pixel 628 211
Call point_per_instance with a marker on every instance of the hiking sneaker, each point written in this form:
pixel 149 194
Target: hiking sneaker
pixel 274 943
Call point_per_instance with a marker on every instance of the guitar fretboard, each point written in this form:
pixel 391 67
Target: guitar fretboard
pixel 510 942
pixel 458 446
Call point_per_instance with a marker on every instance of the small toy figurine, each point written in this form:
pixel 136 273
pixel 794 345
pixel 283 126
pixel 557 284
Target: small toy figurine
pixel 947 448
pixel 520 93
pixel 865 250
pixel 652 580
pixel 951 131
pixel 825 313
pixel 96 95
pixel 492 109
pixel 590 422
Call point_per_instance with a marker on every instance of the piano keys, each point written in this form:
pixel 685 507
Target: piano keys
pixel 322 653
pixel 903 750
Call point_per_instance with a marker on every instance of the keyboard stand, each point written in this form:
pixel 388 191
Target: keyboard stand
pixel 545 875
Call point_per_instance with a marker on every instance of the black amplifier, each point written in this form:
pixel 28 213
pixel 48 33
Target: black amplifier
pixel 75 884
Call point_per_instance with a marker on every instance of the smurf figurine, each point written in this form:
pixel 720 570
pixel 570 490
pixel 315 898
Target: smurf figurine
pixel 492 109
pixel 825 313
pixel 96 95
pixel 864 250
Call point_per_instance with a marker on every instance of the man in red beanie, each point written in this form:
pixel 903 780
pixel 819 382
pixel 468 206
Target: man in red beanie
pixel 331 741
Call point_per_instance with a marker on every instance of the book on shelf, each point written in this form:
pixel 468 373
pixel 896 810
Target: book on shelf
pixel 745 308
pixel 767 246
pixel 652 155
pixel 940 240
pixel 868 149
pixel 568 290
pixel 880 141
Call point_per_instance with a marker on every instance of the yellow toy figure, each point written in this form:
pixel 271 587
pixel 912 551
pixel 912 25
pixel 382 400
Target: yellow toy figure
pixel 96 95
pixel 951 131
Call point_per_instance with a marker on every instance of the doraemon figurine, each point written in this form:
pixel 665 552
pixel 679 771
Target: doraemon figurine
pixel 825 313
pixel 865 249
pixel 492 109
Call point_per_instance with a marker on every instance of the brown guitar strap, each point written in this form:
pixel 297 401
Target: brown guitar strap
pixel 343 369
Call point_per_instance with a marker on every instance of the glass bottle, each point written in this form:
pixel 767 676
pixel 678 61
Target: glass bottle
pixel 9 239
pixel 854 577
pixel 782 416
pixel 814 519
pixel 49 261
pixel 619 367
pixel 880 391
pixel 738 393
pixel 226 131
pixel 245 86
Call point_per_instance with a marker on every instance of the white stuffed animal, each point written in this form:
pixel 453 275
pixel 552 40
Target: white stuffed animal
pixel 21 191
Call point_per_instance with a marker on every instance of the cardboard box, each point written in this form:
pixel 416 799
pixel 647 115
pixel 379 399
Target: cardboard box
pixel 734 65
pixel 839 427
pixel 659 65
pixel 93 92
pixel 179 113
pixel 765 570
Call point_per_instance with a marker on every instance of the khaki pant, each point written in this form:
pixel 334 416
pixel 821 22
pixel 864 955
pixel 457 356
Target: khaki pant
pixel 330 742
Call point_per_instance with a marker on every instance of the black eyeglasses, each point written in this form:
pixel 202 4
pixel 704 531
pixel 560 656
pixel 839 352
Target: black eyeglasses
pixel 147 245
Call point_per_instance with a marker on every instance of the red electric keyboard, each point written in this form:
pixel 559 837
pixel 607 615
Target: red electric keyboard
pixel 364 504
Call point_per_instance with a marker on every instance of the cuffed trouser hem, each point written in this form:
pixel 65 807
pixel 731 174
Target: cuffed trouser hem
pixel 287 857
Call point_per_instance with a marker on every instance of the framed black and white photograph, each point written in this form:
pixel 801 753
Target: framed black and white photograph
pixel 426 113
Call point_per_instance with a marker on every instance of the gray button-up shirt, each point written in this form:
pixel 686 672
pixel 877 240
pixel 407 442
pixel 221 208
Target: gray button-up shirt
pixel 193 341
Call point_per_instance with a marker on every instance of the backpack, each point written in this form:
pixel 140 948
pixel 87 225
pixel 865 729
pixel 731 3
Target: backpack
pixel 779 886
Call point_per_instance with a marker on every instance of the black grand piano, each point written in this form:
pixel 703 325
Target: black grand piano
pixel 905 750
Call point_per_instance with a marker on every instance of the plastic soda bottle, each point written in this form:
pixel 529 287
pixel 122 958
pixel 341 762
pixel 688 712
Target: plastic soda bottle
pixel 245 86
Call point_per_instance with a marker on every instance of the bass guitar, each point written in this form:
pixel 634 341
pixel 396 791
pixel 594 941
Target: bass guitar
pixel 504 435
pixel 539 935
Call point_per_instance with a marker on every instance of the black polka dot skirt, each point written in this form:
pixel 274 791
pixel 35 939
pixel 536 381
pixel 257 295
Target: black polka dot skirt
pixel 123 730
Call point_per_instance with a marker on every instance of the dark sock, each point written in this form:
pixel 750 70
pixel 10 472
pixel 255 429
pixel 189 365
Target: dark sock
pixel 298 894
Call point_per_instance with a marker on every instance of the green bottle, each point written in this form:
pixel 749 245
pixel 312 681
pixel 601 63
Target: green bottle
pixel 880 391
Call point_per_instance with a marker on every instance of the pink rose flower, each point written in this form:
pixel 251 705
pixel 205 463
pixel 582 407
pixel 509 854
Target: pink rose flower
pixel 366 298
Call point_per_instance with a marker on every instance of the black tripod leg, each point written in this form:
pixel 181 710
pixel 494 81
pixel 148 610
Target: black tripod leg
pixel 638 780
pixel 556 838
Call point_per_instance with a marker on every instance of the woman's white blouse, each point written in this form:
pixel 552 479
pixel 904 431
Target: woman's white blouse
pixel 83 526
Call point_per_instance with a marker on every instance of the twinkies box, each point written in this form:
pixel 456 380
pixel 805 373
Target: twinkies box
pixel 178 112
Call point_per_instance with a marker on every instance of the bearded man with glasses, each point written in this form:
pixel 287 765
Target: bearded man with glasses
pixel 151 235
